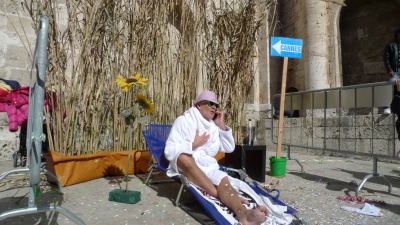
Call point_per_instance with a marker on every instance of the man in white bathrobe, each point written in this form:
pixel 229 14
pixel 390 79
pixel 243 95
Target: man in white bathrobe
pixel 194 140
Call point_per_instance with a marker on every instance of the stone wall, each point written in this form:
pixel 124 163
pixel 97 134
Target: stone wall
pixel 343 40
pixel 260 116
pixel 316 22
pixel 366 27
pixel 17 43
pixel 352 133
pixel 291 24
pixel 17 40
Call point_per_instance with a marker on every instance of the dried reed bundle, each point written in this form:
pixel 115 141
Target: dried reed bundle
pixel 179 45
pixel 230 51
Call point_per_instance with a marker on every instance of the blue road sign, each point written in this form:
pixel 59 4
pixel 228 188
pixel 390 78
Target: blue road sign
pixel 286 47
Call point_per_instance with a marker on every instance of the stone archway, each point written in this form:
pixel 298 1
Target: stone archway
pixel 366 26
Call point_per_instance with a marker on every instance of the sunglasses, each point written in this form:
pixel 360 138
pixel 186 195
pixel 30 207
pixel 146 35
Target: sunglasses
pixel 211 104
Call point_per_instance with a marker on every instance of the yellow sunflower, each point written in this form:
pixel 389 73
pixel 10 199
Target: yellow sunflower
pixel 145 103
pixel 127 83
pixel 123 83
pixel 137 79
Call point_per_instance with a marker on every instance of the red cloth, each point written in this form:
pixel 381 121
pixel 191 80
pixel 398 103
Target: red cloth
pixel 4 92
pixel 16 104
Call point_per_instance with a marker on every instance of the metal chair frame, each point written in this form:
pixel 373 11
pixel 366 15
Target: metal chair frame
pixel 35 135
pixel 155 164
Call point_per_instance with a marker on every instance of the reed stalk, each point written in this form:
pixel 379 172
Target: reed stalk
pixel 177 44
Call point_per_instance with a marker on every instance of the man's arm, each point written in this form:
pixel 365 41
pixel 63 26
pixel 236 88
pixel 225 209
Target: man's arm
pixel 225 133
pixel 178 140
pixel 227 140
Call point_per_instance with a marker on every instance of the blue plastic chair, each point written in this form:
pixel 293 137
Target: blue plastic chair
pixel 156 136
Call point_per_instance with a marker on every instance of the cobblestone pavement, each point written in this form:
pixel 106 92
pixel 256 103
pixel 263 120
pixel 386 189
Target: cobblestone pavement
pixel 313 193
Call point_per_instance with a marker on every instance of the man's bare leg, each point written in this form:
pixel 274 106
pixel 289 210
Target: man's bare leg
pixel 230 197
pixel 189 168
pixel 225 192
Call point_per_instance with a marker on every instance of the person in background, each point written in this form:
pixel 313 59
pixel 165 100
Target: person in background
pixel 287 113
pixel 391 60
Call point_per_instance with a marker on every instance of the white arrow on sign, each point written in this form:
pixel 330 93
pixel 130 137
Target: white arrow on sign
pixel 277 47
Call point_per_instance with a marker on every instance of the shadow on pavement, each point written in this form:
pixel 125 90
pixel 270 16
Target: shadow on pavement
pixel 12 203
pixel 168 188
pixel 396 171
pixel 188 203
pixel 338 185
pixel 381 118
pixel 391 207
pixel 360 175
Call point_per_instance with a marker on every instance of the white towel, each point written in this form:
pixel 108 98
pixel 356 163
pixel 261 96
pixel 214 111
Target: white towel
pixel 367 209
pixel 277 215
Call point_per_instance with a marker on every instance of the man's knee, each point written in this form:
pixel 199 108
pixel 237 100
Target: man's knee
pixel 223 184
pixel 185 162
pixel 225 180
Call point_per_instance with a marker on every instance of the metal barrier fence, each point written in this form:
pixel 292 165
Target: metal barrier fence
pixel 35 135
pixel 344 119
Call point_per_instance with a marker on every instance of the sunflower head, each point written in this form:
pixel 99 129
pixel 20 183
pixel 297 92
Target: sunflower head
pixel 123 83
pixel 137 79
pixel 145 103
pixel 127 83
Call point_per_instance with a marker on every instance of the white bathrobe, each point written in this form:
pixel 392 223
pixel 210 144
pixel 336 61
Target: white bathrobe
pixel 180 141
pixel 182 136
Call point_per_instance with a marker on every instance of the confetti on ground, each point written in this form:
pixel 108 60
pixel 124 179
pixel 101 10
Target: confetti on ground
pixel 359 199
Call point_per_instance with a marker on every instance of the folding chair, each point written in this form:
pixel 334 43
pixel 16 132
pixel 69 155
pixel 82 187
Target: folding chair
pixel 35 136
pixel 156 136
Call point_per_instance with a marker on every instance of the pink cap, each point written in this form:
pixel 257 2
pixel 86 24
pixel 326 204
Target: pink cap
pixel 206 96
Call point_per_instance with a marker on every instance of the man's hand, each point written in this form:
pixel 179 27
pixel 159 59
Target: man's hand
pixel 220 120
pixel 392 74
pixel 199 140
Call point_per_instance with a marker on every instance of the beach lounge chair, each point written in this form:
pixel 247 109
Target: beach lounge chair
pixel 156 136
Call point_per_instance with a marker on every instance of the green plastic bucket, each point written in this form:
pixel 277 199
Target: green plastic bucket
pixel 277 166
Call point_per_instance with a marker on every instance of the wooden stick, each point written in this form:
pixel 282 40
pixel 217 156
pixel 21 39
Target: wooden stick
pixel 282 108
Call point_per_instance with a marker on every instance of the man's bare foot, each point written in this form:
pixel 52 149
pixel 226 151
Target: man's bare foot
pixel 243 200
pixel 254 216
pixel 263 209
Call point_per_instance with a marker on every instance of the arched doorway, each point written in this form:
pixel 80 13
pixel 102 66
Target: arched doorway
pixel 366 26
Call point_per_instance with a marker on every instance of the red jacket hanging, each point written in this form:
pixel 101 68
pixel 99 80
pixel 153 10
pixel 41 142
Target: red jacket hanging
pixel 16 104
